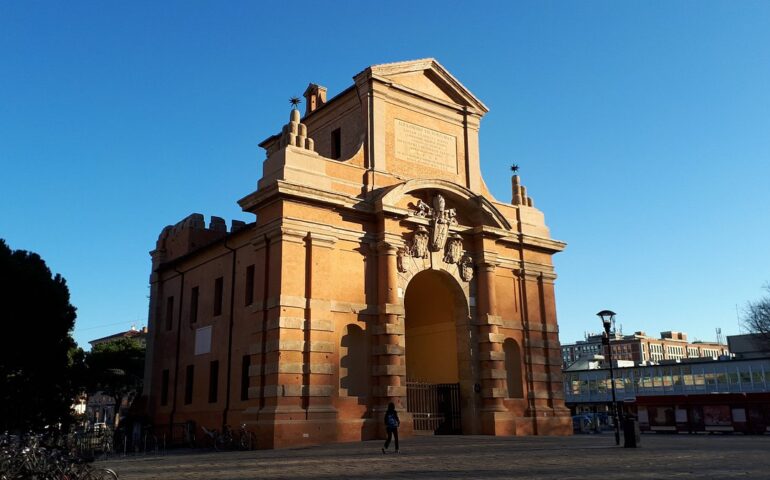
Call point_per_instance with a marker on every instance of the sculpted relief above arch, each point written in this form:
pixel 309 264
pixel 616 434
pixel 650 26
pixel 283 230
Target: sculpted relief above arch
pixel 438 217
pixel 435 247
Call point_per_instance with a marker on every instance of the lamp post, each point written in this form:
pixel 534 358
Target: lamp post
pixel 607 316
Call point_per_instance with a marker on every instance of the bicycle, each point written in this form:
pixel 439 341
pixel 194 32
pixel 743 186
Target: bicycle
pixel 78 470
pixel 213 437
pixel 246 438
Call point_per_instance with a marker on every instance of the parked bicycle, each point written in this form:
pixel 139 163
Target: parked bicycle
pixel 246 438
pixel 229 440
pixel 28 457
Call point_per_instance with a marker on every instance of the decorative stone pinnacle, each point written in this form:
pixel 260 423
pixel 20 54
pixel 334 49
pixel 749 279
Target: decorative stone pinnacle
pixel 294 133
pixel 519 192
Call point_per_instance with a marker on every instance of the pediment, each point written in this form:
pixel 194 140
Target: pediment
pixel 429 77
pixel 471 209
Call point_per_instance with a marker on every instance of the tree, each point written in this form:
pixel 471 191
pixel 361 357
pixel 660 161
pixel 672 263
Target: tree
pixel 757 315
pixel 36 348
pixel 116 369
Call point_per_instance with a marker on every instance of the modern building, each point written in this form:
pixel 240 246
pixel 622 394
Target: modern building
pixel 378 268
pixel 749 345
pixel 642 349
pixel 697 395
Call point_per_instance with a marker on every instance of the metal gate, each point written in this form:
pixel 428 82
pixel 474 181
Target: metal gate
pixel 435 407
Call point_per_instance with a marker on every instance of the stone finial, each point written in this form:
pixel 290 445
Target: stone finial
pixel 295 133
pixel 519 192
pixel 315 96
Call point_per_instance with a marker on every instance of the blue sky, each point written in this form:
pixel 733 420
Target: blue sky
pixel 642 130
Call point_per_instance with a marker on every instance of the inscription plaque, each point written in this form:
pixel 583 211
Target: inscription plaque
pixel 422 145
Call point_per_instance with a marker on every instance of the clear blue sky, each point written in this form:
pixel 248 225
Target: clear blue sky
pixel 642 130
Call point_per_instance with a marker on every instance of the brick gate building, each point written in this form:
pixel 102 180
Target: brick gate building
pixel 378 262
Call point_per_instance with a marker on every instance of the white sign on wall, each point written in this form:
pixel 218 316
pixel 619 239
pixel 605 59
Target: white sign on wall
pixel 203 340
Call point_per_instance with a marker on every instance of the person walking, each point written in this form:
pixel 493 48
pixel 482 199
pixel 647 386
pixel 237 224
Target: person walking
pixel 391 425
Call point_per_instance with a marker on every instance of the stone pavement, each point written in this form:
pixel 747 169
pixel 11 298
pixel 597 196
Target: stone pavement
pixel 580 456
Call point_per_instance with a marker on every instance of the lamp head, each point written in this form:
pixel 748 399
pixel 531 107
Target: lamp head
pixel 607 316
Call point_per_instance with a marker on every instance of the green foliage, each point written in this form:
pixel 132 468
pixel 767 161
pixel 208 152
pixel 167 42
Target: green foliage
pixel 37 353
pixel 115 368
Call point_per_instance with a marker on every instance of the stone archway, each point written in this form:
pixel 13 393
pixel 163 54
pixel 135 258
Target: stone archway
pixel 437 354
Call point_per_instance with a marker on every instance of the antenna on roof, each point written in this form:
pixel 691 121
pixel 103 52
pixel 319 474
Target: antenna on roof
pixel 720 340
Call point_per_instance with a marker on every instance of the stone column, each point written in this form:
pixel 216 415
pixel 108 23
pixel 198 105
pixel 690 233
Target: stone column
pixel 551 412
pixel 389 368
pixel 545 395
pixel 490 341
pixel 494 416
pixel 320 344
pixel 531 320
pixel 283 344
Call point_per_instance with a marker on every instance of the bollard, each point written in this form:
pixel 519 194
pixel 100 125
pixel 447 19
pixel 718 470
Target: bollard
pixel 631 434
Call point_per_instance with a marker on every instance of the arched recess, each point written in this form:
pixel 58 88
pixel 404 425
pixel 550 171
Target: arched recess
pixel 354 374
pixel 513 370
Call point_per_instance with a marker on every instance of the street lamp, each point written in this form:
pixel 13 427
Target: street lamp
pixel 607 317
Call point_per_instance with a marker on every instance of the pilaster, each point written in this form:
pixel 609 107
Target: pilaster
pixel 389 367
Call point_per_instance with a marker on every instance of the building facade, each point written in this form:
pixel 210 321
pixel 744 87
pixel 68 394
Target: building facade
pixel 378 266
pixel 698 395
pixel 643 349
pixel 137 334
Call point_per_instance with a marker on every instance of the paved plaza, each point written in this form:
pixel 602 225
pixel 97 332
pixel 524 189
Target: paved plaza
pixel 580 456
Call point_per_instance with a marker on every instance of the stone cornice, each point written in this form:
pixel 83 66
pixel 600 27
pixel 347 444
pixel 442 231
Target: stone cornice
pixel 547 244
pixel 258 198
pixel 318 233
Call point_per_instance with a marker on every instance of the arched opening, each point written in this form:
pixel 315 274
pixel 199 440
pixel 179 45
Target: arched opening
pixel 513 368
pixel 435 327
pixel 431 343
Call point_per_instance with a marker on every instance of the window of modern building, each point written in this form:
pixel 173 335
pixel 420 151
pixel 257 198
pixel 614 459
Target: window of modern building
pixel 218 292
pixel 245 364
pixel 336 144
pixel 164 388
pixel 194 305
pixel 169 313
pixel 249 285
pixel 188 384
pixel 213 381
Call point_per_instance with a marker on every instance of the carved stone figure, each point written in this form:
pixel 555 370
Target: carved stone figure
pixel 454 249
pixel 423 210
pixel 466 268
pixel 420 243
pixel 400 260
pixel 440 220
